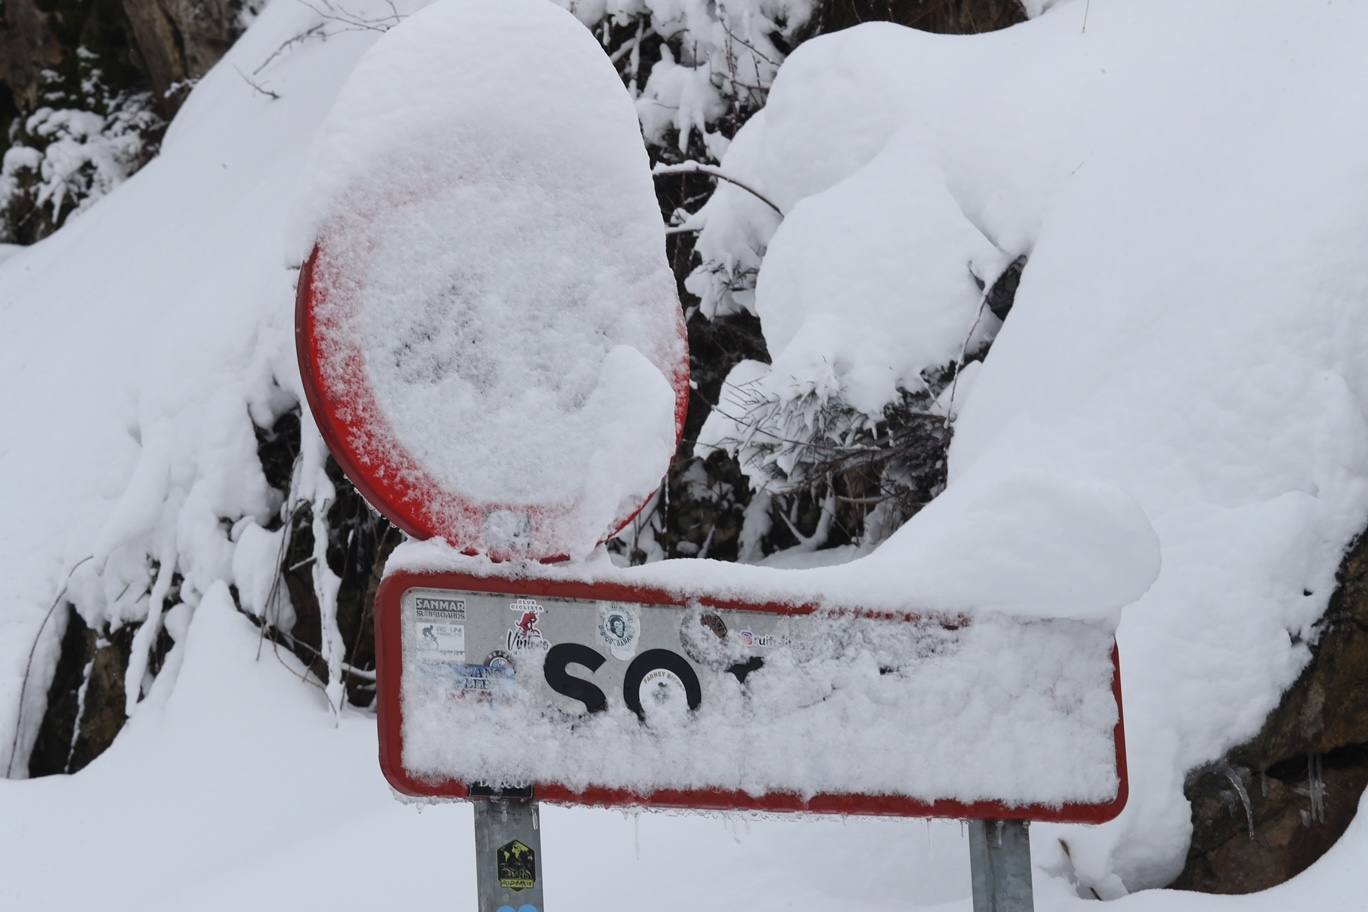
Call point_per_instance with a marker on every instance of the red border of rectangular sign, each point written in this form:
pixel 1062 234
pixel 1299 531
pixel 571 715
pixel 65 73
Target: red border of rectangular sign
pixel 389 670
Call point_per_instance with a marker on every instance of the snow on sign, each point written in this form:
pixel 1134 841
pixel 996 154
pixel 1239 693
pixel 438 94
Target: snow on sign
pixel 607 693
pixel 488 330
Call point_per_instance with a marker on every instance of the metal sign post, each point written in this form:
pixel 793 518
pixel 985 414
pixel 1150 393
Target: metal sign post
pixel 1000 865
pixel 508 852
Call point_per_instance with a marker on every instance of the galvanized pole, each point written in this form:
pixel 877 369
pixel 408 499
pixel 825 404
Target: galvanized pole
pixel 508 853
pixel 1000 865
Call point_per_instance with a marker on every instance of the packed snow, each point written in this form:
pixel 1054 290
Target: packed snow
pixel 1188 181
pixel 496 326
pixel 253 799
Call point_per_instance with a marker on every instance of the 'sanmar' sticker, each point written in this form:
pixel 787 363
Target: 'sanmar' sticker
pixel 443 642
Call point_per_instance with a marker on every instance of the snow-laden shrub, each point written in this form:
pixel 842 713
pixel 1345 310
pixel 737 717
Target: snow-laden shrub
pixel 696 67
pixel 84 140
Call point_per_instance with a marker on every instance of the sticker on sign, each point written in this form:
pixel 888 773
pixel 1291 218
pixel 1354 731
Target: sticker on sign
pixel 613 694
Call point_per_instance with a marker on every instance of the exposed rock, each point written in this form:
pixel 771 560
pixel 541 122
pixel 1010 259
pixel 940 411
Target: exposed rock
pixel 181 39
pixel 948 17
pixel 1276 804
pixel 86 697
pixel 27 46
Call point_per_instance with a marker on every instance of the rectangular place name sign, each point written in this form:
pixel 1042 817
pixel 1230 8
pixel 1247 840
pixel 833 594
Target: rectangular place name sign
pixel 610 694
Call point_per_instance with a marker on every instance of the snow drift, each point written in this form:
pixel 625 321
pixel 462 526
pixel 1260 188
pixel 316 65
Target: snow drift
pixel 1189 187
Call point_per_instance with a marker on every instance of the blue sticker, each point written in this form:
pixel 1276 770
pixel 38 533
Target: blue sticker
pixel 527 908
pixel 479 680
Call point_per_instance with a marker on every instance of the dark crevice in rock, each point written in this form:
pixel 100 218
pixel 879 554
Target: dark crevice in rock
pixel 86 698
pixel 1003 293
pixel 359 543
pixel 277 450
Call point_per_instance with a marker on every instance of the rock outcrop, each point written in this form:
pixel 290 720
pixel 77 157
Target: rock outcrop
pixel 1276 804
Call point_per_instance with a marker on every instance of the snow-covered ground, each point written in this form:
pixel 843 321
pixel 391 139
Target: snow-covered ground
pixel 1190 185
pixel 233 790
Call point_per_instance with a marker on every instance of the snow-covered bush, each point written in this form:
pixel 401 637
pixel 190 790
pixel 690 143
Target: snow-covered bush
pixel 699 72
pixel 696 68
pixel 84 140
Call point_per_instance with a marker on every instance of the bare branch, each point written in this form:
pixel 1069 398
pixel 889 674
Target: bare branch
pixel 273 96
pixel 316 29
pixel 695 167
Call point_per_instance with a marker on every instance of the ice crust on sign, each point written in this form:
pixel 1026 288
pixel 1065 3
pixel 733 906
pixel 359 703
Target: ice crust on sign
pixel 840 705
pixel 493 270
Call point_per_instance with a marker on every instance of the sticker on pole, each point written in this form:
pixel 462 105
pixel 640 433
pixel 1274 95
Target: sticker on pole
pixel 616 694
pixel 488 331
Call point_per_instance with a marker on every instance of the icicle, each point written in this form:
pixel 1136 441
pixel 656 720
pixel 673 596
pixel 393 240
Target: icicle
pixel 319 490
pixel 1238 785
pixel 146 637
pixel 80 707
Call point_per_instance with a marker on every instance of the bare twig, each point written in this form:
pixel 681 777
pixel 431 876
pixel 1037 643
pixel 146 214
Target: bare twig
pixel 274 96
pixel 964 353
pixel 331 13
pixel 695 167
pixel 28 666
pixel 317 29
pixel 722 21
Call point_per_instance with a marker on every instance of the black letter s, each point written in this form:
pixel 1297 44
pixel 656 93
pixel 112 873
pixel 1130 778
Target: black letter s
pixel 562 682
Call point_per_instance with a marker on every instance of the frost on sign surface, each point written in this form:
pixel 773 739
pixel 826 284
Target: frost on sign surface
pixel 497 345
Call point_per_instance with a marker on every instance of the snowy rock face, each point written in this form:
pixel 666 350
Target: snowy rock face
pixel 493 315
pixel 1188 328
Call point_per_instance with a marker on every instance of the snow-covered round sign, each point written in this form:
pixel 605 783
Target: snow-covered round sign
pixel 488 330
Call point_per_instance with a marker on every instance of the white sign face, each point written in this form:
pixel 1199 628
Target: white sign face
pixel 584 696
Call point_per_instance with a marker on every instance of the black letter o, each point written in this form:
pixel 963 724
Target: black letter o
pixel 647 662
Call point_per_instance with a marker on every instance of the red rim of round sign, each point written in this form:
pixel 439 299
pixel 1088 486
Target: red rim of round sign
pixel 389 667
pixel 394 487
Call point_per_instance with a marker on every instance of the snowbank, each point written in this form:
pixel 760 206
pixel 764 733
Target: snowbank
pixel 241 789
pixel 1188 184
